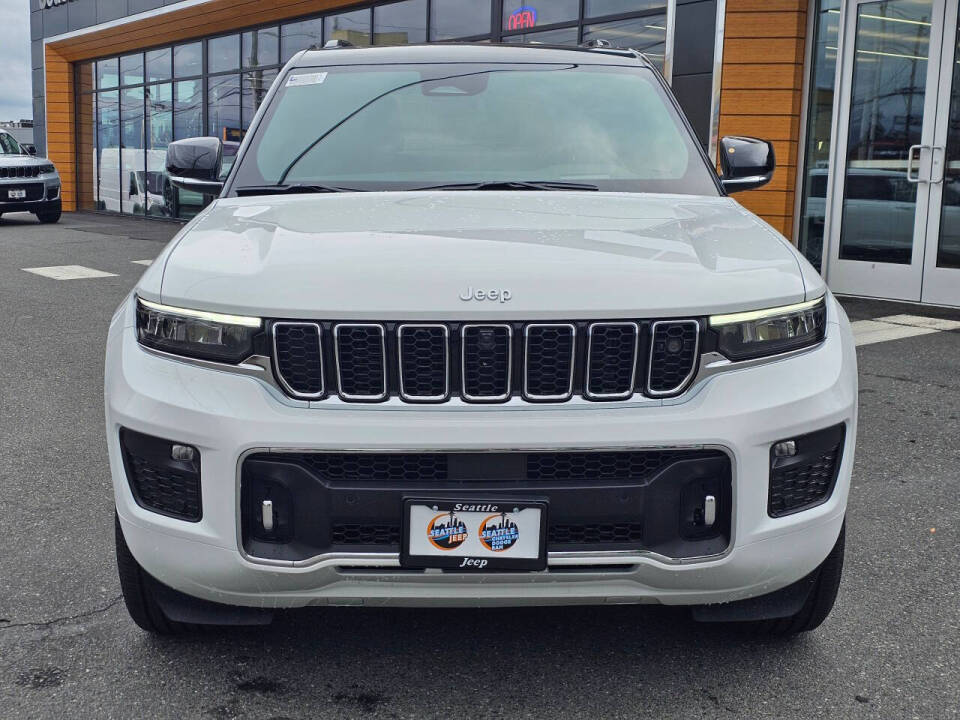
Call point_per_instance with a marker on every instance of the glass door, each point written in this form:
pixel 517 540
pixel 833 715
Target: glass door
pixel 884 157
pixel 941 275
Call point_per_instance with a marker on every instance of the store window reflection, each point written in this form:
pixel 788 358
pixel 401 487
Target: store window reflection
pixel 813 193
pixel 130 107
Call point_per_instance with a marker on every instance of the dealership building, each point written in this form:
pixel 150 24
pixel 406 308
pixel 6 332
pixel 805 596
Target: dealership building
pixel 861 99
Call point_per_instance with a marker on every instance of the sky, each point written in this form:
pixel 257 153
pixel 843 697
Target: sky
pixel 15 88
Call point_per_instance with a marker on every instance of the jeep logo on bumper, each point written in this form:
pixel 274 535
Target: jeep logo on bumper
pixel 495 295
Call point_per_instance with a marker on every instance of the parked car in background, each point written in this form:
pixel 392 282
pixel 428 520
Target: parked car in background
pixel 27 183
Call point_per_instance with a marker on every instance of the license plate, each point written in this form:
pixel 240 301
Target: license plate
pixel 16 194
pixel 474 535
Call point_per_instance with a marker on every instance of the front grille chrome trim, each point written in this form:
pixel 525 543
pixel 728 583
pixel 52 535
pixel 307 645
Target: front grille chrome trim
pixel 463 364
pixel 526 362
pixel 383 357
pixel 446 363
pixel 283 382
pixel 633 370
pixel 693 368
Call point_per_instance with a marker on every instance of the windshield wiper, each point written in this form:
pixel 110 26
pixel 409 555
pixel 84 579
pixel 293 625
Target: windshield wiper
pixel 291 189
pixel 513 185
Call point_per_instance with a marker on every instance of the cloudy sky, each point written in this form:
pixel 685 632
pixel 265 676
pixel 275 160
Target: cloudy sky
pixel 15 91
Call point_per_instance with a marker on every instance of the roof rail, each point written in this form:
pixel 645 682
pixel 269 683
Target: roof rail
pixel 331 44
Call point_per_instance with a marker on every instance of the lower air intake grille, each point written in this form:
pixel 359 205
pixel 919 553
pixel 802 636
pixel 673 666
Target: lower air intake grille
pixel 361 362
pixel 807 479
pixel 486 362
pixel 365 534
pixel 299 358
pixel 606 533
pixel 673 355
pixel 612 360
pixel 374 466
pixel 159 483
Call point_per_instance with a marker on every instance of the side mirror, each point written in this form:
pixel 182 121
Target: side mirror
pixel 29 148
pixel 194 164
pixel 746 163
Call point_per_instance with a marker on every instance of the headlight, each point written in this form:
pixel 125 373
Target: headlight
pixel 746 335
pixel 45 169
pixel 196 333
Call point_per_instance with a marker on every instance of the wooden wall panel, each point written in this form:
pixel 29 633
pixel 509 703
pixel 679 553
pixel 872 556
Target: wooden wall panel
pixel 761 93
pixel 61 139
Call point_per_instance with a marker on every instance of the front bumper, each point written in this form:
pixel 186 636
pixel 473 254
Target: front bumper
pixel 39 201
pixel 227 416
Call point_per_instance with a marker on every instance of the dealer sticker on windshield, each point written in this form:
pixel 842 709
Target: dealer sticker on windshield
pixel 474 536
pixel 306 79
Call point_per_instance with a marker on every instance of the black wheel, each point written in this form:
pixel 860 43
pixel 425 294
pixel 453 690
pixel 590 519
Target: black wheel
pixel 47 217
pixel 139 592
pixel 820 601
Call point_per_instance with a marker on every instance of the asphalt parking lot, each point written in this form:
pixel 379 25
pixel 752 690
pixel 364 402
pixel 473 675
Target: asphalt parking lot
pixel 891 649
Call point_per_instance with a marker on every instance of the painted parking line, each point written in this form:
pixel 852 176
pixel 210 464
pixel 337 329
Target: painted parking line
pixel 142 262
pixel 68 272
pixel 898 327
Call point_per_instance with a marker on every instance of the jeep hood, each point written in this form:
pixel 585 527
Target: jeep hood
pixel 413 255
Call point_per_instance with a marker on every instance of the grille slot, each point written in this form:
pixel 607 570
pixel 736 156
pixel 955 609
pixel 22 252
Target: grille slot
pixel 487 352
pixel 673 355
pixel 361 361
pixel 549 356
pixel 424 362
pixel 595 533
pixel 298 350
pixel 20 172
pixel 611 360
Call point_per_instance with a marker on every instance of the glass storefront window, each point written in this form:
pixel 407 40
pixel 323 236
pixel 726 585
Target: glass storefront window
pixel 563 36
pixel 223 53
pixel 354 27
pixel 223 107
pixel 816 161
pixel 188 60
pixel 158 65
pixel 159 99
pixel 599 8
pixel 260 47
pixel 108 144
pixel 132 169
pixel 400 23
pixel 108 73
pixel 647 34
pixel 187 109
pixel 131 69
pixel 518 15
pixel 451 19
pixel 300 36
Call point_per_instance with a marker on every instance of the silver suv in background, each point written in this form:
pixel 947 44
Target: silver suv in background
pixel 27 183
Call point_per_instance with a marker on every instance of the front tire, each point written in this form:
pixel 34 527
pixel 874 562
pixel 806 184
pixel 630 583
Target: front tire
pixel 138 592
pixel 49 216
pixel 819 603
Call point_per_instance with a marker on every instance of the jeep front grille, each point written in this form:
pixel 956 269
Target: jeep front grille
pixel 485 362
pixel 30 171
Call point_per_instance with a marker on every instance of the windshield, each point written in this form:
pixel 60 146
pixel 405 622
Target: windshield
pixel 9 146
pixel 394 127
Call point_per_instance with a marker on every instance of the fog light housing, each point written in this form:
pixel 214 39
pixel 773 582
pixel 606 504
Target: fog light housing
pixel 785 448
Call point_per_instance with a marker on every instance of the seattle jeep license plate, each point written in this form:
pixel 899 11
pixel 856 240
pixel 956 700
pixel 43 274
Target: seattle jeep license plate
pixel 16 194
pixel 474 535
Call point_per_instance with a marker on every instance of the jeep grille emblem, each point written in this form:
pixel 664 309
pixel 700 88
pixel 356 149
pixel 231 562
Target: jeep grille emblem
pixel 502 295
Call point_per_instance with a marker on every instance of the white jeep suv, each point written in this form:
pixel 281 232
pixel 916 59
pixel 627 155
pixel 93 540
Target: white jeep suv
pixel 27 183
pixel 478 325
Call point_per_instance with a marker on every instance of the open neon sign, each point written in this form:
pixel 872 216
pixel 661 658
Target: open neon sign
pixel 521 18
